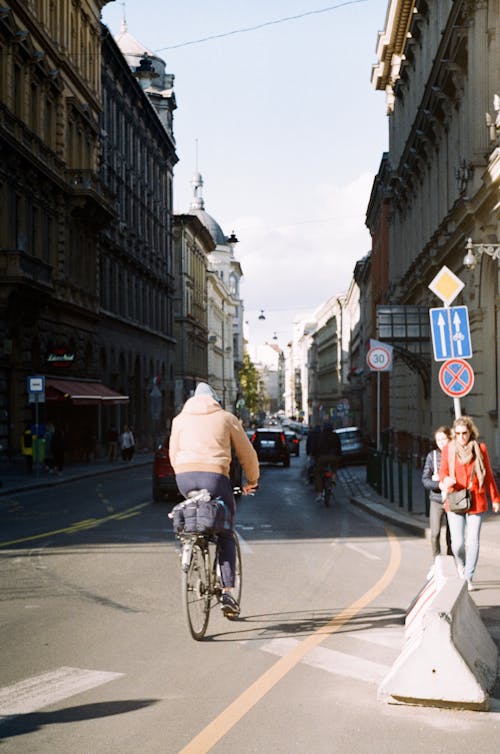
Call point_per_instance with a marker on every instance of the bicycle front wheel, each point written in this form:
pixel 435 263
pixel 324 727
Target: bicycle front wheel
pixel 196 593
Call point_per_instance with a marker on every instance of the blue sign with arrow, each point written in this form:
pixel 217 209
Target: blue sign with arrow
pixel 450 333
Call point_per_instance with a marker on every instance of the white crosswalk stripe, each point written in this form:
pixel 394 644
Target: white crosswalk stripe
pixel 48 688
pixel 332 661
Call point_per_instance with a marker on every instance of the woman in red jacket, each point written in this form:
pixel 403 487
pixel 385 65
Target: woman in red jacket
pixel 465 464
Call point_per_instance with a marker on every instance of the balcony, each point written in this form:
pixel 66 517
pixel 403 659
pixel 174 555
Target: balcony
pixel 91 198
pixel 19 267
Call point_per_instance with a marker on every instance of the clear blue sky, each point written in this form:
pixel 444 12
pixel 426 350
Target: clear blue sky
pixel 290 136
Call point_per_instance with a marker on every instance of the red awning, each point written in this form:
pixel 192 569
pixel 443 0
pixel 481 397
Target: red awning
pixel 82 393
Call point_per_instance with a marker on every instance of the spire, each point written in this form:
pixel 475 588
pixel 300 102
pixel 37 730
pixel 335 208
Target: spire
pixel 197 201
pixel 124 26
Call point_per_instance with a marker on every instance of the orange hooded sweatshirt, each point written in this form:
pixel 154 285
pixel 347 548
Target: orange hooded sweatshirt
pixel 202 436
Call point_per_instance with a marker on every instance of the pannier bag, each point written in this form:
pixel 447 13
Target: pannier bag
pixel 201 514
pixel 460 501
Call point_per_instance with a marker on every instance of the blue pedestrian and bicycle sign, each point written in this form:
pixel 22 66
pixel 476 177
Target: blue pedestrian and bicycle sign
pixel 450 333
pixel 456 377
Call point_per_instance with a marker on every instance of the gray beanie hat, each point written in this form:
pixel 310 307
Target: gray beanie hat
pixel 203 388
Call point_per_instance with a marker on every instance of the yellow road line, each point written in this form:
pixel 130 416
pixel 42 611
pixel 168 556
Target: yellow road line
pixel 223 723
pixel 90 523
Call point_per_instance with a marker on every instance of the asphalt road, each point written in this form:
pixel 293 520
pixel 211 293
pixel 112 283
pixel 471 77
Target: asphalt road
pixel 96 656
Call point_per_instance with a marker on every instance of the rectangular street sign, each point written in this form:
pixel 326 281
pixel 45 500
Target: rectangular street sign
pixel 450 333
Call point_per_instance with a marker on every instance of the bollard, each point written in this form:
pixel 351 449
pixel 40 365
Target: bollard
pixel 400 482
pixel 385 460
pixel 391 479
pixel 409 479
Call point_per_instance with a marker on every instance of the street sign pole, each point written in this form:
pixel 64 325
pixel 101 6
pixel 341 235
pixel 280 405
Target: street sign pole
pixel 378 412
pixel 446 286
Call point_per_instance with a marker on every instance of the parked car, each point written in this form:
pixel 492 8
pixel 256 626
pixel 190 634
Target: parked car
pixel 354 447
pixel 293 442
pixel 270 446
pixel 164 485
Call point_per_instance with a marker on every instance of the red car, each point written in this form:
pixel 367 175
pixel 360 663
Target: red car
pixel 164 485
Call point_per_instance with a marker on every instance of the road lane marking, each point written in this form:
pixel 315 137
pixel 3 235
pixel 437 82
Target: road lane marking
pixel 229 717
pixel 340 663
pixel 90 523
pixel 49 688
pixel 363 552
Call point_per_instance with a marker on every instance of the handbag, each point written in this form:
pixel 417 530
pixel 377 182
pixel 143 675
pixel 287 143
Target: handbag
pixel 460 501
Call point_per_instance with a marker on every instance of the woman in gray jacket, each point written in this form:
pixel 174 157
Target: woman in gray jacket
pixel 430 480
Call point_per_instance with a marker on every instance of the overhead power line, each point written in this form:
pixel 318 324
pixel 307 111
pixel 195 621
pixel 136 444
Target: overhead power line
pixel 246 29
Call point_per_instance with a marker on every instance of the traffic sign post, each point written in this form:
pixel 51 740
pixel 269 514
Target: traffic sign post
pixel 379 359
pixel 36 395
pixel 451 340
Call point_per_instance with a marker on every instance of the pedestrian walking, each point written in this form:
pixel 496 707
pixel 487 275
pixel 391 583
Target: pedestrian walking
pixel 57 448
pixel 465 464
pixel 112 437
pixel 127 443
pixel 430 481
pixel 27 439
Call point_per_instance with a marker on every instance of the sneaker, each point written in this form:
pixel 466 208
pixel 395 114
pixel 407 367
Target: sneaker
pixel 319 497
pixel 229 606
pixel 430 573
pixel 461 571
pixel 471 587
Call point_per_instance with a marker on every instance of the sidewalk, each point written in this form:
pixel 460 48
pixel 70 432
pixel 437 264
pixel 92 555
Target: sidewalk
pixel 13 476
pixel 416 522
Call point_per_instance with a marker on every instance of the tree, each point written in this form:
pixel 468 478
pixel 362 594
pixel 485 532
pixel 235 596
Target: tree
pixel 250 380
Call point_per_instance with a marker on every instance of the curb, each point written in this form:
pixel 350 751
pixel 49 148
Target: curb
pixel 72 476
pixel 419 528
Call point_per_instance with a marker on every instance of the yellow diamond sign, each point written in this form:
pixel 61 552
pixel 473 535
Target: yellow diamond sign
pixel 446 285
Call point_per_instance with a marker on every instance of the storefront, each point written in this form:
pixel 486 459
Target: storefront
pixel 84 410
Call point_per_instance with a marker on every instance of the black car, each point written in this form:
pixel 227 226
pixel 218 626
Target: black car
pixel 271 446
pixel 354 447
pixel 293 442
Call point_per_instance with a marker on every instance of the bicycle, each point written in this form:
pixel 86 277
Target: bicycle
pixel 201 585
pixel 328 485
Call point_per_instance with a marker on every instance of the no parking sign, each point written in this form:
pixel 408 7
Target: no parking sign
pixel 456 377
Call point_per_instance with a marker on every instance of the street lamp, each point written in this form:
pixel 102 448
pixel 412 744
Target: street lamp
pixel 491 249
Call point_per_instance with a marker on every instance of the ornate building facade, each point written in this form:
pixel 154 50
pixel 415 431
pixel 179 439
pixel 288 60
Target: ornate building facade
pixel 192 244
pixel 85 226
pixel 439 66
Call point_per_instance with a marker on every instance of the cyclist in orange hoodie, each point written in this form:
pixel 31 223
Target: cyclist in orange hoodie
pixel 202 437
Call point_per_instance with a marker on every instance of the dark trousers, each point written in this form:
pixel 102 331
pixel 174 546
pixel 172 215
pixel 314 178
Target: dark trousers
pixel 437 517
pixel 219 486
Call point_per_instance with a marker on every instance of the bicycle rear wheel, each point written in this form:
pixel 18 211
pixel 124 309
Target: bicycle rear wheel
pixel 327 492
pixel 238 573
pixel 196 593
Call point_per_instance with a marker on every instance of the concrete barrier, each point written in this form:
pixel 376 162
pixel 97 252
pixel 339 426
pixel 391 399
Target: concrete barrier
pixel 448 659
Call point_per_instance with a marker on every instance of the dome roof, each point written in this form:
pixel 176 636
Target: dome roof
pixel 133 51
pixel 210 224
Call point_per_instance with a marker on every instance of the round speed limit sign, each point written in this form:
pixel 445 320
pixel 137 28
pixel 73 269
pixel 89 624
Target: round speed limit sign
pixel 379 359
